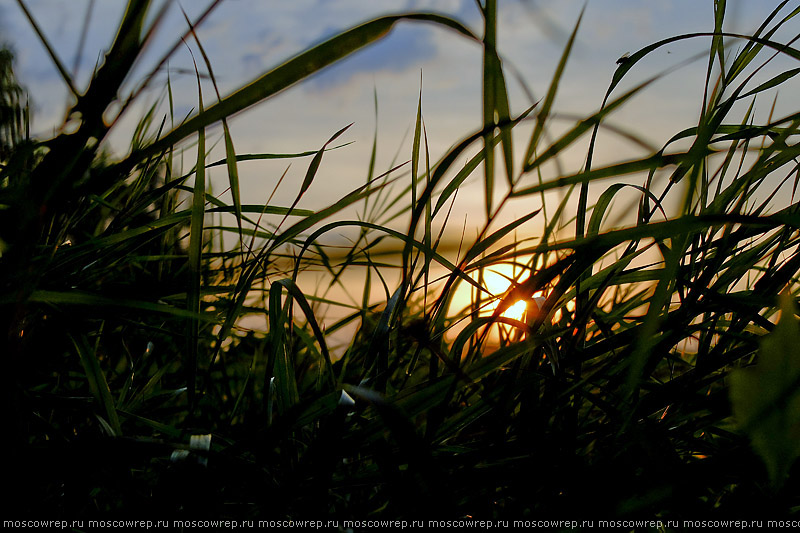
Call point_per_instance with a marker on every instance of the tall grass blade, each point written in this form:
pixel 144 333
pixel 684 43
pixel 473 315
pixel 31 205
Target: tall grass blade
pixel 547 104
pixel 230 152
pixel 97 381
pixel 65 75
pixel 195 257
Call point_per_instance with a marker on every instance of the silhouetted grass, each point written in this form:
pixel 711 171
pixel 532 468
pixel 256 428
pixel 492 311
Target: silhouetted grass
pixel 609 397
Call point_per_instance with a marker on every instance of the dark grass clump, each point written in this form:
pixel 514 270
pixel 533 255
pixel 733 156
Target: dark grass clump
pixel 610 396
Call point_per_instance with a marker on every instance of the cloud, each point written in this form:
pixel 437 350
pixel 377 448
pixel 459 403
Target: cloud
pixel 408 47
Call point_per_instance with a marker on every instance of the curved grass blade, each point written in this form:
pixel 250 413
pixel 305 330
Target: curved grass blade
pixel 487 242
pixel 399 235
pixel 605 200
pixel 265 210
pixel 649 163
pixel 250 273
pixel 290 73
pixel 298 296
pixel 259 157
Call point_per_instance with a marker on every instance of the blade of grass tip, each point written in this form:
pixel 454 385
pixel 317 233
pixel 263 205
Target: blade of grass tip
pixel 442 303
pixel 494 78
pixel 367 291
pixel 706 127
pixel 165 58
pixel 503 115
pixel 315 163
pixel 752 47
pixel 267 156
pixel 415 146
pixel 82 41
pixel 428 215
pixel 97 381
pixel 258 222
pixel 440 169
pixel 648 163
pixel 313 167
pixel 381 208
pixel 258 208
pixel 50 51
pixel 171 102
pixel 195 255
pixel 773 82
pixel 374 151
pixel 230 153
pixel 717 42
pixel 487 242
pixel 415 154
pixel 461 176
pixel 547 104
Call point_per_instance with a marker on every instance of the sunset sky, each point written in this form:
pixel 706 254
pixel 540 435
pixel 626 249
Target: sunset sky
pixel 245 38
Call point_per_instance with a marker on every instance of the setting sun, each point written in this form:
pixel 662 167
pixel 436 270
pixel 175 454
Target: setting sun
pixel 497 281
pixel 516 311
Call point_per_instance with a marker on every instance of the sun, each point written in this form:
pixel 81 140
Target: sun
pixel 517 311
pixel 497 280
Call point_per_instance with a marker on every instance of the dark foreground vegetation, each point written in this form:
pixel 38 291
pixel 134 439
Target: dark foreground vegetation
pixel 619 394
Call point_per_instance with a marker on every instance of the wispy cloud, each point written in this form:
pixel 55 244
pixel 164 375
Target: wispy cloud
pixel 407 48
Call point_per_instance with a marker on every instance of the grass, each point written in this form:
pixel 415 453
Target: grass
pixel 122 310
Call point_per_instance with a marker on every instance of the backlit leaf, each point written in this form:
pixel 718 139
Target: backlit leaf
pixel 766 398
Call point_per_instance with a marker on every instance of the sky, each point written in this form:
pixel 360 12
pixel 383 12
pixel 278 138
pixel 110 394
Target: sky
pixel 245 38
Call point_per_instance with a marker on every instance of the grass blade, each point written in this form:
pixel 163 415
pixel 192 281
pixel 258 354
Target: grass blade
pixel 290 73
pixel 97 381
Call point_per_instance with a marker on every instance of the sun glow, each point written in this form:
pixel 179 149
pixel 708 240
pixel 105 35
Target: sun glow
pixel 517 311
pixel 497 281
